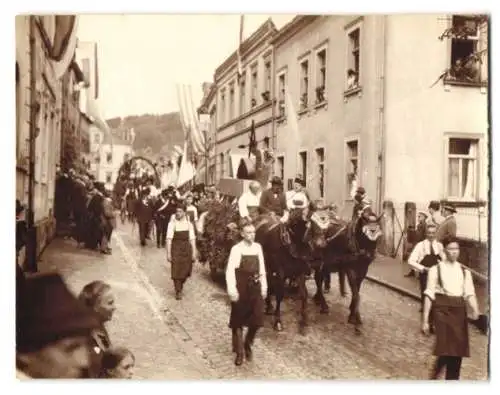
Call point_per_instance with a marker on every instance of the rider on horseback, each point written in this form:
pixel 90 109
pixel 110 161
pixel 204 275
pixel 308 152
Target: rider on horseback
pixel 273 202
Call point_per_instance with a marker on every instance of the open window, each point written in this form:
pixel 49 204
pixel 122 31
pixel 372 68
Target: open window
pixel 462 169
pixel 321 76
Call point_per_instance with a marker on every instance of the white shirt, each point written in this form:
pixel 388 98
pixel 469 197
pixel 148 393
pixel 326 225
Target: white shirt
pixel 180 226
pixel 452 277
pixel 422 249
pixel 292 196
pixel 435 219
pixel 248 199
pixel 243 248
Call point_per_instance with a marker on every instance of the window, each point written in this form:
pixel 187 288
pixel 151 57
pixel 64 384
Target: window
pixel 280 164
pixel 466 42
pixel 353 59
pixel 281 94
pixel 304 84
pixel 303 166
pixel 109 157
pixel 320 160
pixel 320 76
pixel 254 82
pixel 462 168
pixel 221 156
pixel 243 104
pixel 352 166
pixel 109 176
pixel 223 106
pixel 267 80
pixel 97 138
pixel 231 101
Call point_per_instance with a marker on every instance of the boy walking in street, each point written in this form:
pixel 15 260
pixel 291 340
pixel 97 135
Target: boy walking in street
pixel 247 287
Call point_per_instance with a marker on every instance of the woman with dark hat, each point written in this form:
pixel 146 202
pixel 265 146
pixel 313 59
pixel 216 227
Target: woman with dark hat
pixel 297 199
pixel 449 290
pixel 181 248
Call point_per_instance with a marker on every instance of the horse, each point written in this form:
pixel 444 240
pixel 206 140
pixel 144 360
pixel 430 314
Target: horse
pixel 350 250
pixel 289 252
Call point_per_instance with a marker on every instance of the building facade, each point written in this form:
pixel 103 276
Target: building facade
pixel 358 102
pixel 42 58
pixel 243 99
pixel 208 123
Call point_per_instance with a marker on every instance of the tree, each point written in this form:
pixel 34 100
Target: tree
pixel 469 46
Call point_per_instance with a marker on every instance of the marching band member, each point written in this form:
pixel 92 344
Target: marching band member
pixel 181 248
pixel 248 203
pixel 247 287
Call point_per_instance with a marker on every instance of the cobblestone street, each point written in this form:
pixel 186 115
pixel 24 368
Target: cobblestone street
pixel 390 347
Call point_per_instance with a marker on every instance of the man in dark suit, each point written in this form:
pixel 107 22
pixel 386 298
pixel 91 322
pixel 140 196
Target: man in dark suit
pixel 448 228
pixel 273 200
pixel 162 212
pixel 144 214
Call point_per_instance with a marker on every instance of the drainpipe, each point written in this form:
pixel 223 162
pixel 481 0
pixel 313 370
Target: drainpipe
pixel 382 106
pixel 274 138
pixel 31 253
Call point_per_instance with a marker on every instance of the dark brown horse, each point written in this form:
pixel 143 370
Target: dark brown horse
pixel 289 252
pixel 350 251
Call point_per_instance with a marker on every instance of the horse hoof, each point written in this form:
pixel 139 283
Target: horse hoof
pixel 278 326
pixel 324 310
pixel 327 290
pixel 351 320
pixel 357 331
pixel 302 330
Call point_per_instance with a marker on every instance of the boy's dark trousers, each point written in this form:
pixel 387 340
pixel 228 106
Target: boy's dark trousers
pixel 161 231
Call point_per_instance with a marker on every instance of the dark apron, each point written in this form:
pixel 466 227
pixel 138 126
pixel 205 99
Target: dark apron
pixel 253 212
pixel 182 255
pixel 249 309
pixel 450 322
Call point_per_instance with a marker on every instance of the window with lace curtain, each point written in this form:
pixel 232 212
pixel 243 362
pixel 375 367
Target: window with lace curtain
pixel 462 171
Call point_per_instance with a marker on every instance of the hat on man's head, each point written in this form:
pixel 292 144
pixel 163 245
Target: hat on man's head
pixel 361 190
pixel 50 312
pixel 299 181
pixel 276 181
pixel 422 213
pixel 449 207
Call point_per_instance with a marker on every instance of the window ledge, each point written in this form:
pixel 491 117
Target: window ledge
pixel 303 111
pixel 454 82
pixel 320 104
pixel 352 91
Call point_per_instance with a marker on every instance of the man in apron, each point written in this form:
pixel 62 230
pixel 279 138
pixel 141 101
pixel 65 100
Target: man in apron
pixel 248 203
pixel 247 287
pixel 449 288
pixel 426 254
pixel 181 248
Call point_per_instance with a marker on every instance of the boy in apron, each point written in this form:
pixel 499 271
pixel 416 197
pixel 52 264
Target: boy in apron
pixel 449 288
pixel 181 249
pixel 247 287
pixel 191 210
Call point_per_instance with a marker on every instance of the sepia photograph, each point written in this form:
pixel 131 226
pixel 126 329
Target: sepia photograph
pixel 243 196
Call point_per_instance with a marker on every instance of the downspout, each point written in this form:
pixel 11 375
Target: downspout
pixel 274 138
pixel 31 253
pixel 382 107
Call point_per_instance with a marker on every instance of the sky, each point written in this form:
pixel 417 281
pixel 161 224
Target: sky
pixel 142 57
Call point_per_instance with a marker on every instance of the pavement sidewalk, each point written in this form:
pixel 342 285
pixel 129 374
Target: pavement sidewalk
pixel 390 272
pixel 161 351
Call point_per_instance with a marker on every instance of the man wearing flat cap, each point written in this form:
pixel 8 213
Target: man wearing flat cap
pixel 273 200
pixel 448 228
pixel 52 331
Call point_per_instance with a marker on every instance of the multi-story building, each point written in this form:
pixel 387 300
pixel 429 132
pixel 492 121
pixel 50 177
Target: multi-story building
pixel 361 89
pixel 73 139
pixel 243 99
pixel 357 103
pixel 45 47
pixel 113 150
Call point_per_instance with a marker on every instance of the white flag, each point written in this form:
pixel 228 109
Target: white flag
pixel 187 171
pixel 293 143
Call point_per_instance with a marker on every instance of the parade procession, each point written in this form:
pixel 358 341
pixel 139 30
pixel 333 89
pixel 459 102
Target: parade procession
pixel 288 219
